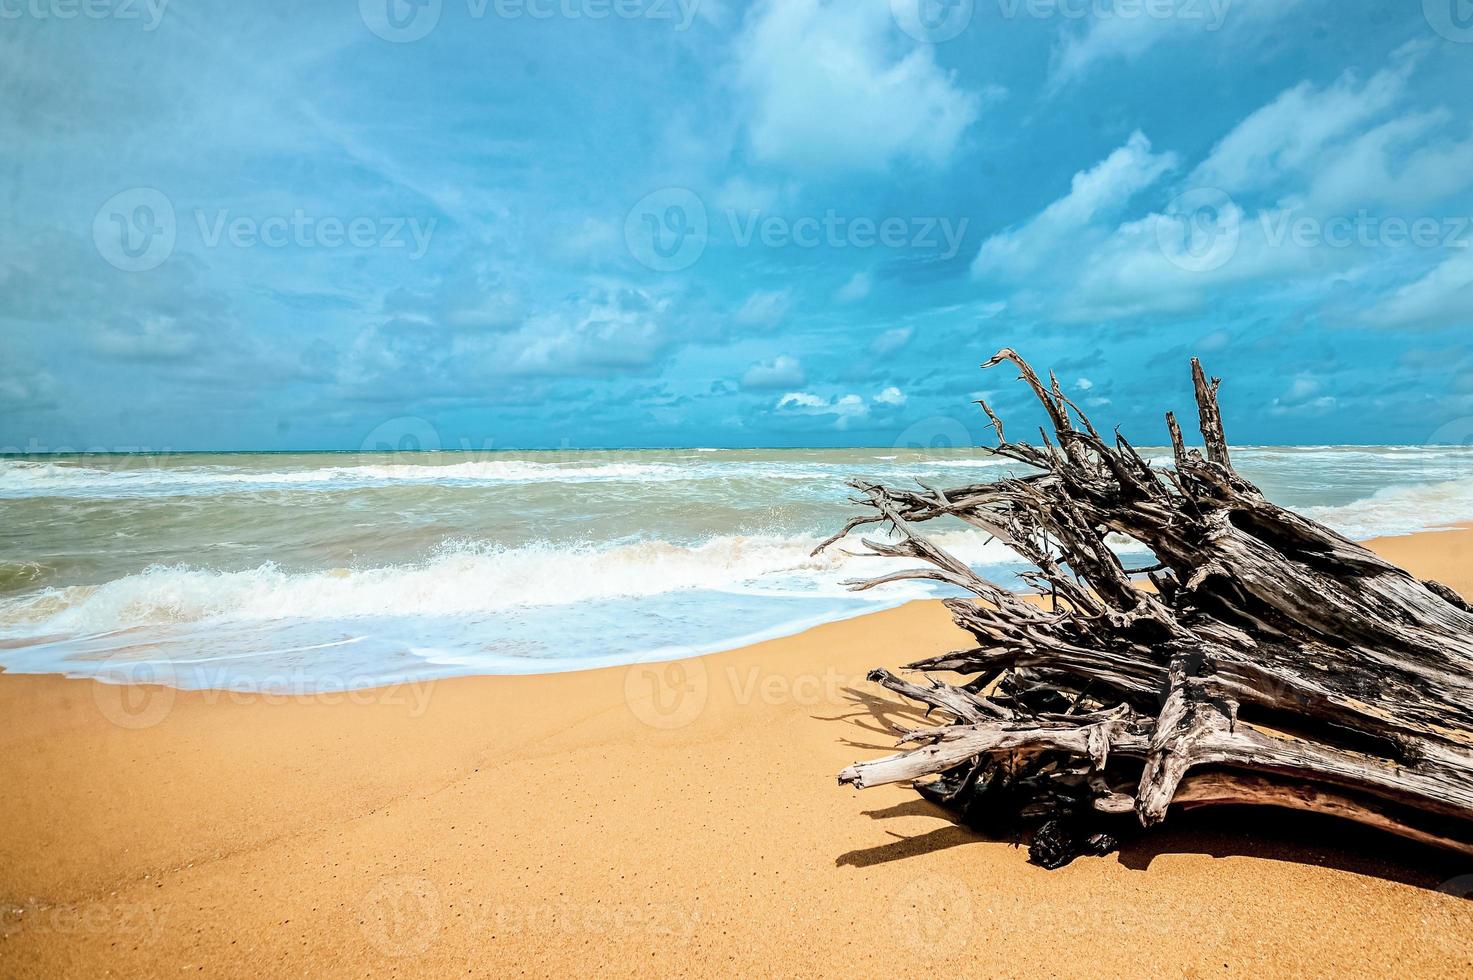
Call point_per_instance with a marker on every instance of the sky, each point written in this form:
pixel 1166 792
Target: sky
pixel 507 224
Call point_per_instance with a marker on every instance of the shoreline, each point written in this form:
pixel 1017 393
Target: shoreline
pixel 669 654
pixel 661 818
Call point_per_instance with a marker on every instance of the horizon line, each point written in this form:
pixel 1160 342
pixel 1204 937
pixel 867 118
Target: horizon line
pixel 6 453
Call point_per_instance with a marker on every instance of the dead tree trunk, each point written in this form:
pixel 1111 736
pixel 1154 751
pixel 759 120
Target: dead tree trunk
pixel 1268 660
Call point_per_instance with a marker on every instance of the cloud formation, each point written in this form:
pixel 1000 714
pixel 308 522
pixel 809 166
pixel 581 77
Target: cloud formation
pixel 1125 193
pixel 780 372
pixel 833 86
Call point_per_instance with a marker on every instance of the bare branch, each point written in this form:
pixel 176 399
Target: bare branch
pixel 1104 698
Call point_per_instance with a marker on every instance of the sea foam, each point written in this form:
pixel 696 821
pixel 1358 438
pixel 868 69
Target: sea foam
pixel 237 570
pixel 462 578
pixel 1400 510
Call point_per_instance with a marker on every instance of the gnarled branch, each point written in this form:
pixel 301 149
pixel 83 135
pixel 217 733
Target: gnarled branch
pixel 1270 661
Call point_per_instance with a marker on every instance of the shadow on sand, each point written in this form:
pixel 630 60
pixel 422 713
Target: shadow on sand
pixel 1220 832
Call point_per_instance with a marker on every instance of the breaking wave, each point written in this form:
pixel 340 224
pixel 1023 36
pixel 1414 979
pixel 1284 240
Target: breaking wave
pixel 263 572
pixel 27 478
pixel 1400 510
pixel 461 579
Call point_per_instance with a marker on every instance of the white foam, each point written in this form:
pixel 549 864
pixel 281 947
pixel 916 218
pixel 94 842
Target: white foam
pixel 973 464
pixel 473 606
pixel 24 477
pixel 461 579
pixel 1400 510
pixel 160 476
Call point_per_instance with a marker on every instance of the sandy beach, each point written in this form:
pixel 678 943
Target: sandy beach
pixel 669 819
pixel 461 464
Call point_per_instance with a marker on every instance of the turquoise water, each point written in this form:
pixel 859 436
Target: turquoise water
pixel 328 570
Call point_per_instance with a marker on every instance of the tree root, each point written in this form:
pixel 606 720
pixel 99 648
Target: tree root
pixel 1263 659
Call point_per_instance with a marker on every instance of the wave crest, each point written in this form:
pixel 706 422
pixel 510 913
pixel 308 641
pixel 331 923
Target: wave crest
pixel 1399 510
pixel 461 579
pixel 21 478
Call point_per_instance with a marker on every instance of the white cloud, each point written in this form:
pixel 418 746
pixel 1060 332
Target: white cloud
pixel 1303 397
pixel 1266 205
pixel 1442 296
pixel 31 390
pixel 491 311
pixel 857 288
pixel 621 331
pixel 1400 162
pixel 765 308
pixel 1104 38
pixel 892 340
pixel 845 408
pixel 1303 386
pixel 1323 405
pixel 780 372
pixel 891 396
pixel 832 85
pixel 1101 190
pixel 1289 135
pixel 743 196
pixel 590 237
pixel 1141 269
pixel 156 338
pixel 801 399
pixel 606 328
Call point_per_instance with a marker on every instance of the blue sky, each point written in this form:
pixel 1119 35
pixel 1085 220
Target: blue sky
pixel 586 223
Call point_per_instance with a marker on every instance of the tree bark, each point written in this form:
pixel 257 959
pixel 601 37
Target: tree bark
pixel 1263 659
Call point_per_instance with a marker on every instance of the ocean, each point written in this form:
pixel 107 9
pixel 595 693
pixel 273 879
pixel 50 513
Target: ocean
pixel 314 572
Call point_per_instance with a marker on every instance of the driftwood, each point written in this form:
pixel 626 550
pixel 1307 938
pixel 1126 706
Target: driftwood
pixel 1263 658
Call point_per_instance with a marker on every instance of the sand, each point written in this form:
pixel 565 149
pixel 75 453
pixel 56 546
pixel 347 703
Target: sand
pixel 676 819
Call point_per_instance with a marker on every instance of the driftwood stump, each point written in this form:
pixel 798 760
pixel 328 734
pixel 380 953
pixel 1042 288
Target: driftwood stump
pixel 1262 659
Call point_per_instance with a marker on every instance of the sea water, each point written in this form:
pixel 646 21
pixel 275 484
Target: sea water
pixel 326 571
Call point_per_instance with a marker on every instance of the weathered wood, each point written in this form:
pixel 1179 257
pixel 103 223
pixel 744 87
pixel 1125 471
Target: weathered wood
pixel 1271 661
